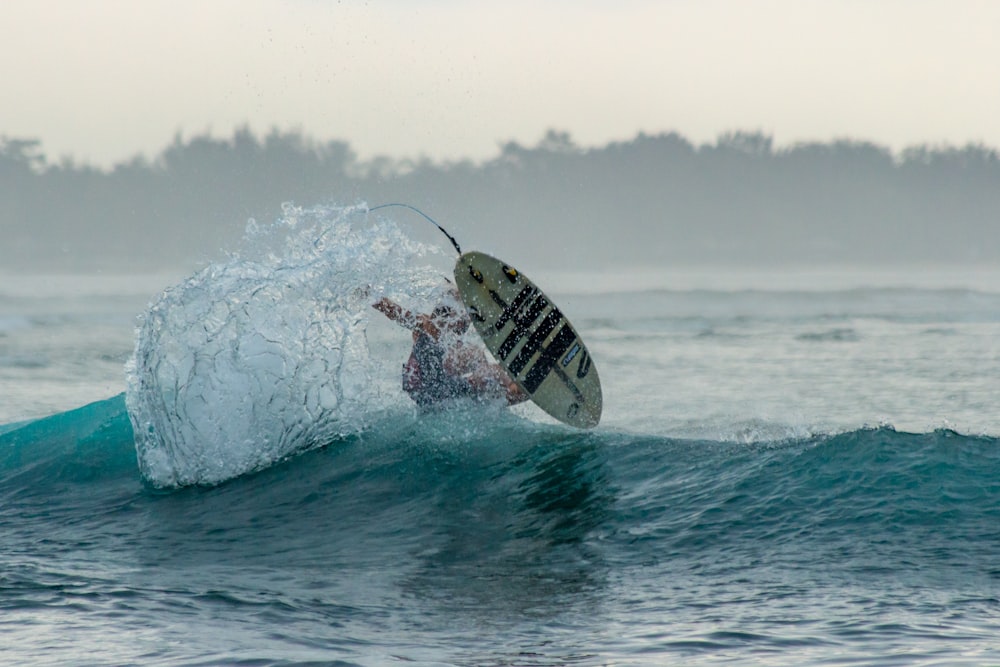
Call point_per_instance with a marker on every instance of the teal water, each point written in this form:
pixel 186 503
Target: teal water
pixel 517 543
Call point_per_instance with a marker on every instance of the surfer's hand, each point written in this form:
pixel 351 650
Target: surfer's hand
pixel 514 393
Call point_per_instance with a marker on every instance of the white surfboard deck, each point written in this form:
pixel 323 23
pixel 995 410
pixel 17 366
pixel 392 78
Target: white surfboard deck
pixel 531 338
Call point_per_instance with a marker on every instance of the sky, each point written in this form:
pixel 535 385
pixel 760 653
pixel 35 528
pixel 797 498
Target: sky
pixel 104 80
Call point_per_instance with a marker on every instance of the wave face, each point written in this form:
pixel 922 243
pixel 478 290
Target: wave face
pixel 872 543
pixel 265 355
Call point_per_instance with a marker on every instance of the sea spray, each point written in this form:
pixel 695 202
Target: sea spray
pixel 265 354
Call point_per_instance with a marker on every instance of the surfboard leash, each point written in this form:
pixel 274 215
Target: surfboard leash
pixel 426 217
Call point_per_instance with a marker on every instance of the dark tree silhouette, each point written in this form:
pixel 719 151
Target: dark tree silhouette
pixel 653 200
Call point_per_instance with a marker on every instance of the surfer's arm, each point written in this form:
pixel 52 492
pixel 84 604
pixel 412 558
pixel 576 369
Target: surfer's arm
pixel 485 376
pixel 406 318
pixel 494 375
pixel 395 312
pixel 512 391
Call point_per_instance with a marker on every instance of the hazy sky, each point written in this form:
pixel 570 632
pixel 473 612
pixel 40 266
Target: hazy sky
pixel 102 80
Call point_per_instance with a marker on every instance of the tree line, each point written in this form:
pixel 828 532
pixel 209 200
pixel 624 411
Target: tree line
pixel 653 200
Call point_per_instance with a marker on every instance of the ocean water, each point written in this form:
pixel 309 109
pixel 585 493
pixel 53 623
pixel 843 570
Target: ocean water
pixel 793 468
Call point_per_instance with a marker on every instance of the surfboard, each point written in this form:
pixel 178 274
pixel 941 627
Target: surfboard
pixel 531 338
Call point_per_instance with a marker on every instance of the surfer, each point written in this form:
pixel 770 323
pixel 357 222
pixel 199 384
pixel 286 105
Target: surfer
pixel 441 365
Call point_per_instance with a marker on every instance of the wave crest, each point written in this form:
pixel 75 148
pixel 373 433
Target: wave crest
pixel 264 355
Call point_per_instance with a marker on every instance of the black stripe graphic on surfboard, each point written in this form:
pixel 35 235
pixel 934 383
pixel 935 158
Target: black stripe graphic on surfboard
pixel 522 326
pixel 550 355
pixel 523 322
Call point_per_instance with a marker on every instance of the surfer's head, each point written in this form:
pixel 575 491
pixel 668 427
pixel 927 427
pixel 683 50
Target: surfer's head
pixel 450 312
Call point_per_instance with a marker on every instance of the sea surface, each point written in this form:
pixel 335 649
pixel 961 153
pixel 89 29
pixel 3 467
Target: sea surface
pixel 794 467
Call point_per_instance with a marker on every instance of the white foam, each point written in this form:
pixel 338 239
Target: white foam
pixel 265 355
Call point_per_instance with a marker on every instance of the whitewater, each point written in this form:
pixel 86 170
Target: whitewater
pixel 793 468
